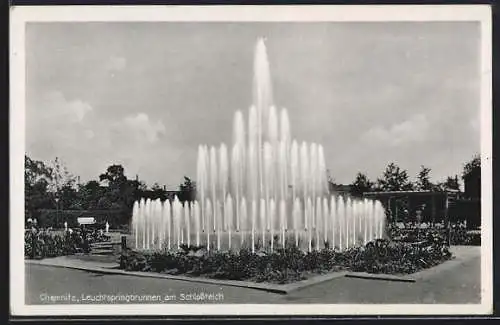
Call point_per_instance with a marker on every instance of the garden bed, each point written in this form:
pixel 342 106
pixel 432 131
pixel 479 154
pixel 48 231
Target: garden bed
pixel 457 235
pixel 288 265
pixel 39 244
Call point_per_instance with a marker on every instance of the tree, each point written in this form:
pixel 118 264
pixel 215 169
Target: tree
pixel 114 175
pixel 62 185
pixel 68 197
pixel 134 190
pixel 37 177
pixel 158 192
pixel 120 192
pixel 187 190
pixel 451 183
pixel 60 177
pixel 394 179
pixel 471 176
pixel 139 185
pixel 89 194
pixel 104 203
pixel 423 179
pixel 156 187
pixel 35 170
pixel 471 167
pixel 361 185
pixel 48 186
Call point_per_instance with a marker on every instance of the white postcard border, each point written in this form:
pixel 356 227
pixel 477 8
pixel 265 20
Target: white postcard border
pixel 21 15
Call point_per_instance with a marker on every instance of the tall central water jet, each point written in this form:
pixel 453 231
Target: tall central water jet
pixel 262 95
pixel 267 189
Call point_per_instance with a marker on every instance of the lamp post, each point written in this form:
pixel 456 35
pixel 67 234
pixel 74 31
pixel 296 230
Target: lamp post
pixel 57 210
pixel 419 222
pixel 447 207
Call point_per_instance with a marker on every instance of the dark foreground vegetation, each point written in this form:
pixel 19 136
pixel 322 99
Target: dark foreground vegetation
pixel 39 244
pixel 291 264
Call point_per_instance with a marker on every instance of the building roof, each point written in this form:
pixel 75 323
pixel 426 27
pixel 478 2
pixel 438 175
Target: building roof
pixel 340 187
pixel 411 193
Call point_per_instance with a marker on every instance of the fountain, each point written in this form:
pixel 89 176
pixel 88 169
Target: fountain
pixel 265 191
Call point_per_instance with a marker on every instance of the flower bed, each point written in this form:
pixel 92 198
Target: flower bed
pixel 290 264
pixel 457 235
pixel 390 257
pixel 464 237
pixel 41 244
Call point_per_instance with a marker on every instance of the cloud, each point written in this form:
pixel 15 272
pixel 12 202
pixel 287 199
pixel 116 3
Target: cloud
pixel 57 126
pixel 407 132
pixel 55 105
pixel 359 96
pixel 116 63
pixel 89 134
pixel 141 125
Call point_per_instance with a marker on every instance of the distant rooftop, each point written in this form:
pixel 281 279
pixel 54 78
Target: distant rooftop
pixel 404 193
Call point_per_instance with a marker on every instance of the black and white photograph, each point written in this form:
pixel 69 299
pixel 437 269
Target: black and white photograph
pixel 251 160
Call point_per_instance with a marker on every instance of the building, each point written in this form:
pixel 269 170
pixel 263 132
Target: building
pixel 472 185
pixel 435 206
pixel 339 188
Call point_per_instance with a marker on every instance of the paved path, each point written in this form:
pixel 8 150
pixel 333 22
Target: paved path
pixel 457 284
pixel 44 281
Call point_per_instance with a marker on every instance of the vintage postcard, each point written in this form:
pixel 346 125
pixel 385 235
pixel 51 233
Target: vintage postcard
pixel 251 160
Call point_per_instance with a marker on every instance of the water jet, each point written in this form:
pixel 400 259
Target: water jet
pixel 278 182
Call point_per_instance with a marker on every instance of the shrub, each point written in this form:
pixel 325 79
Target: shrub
pixel 457 235
pixel 382 256
pixel 46 243
pixel 290 264
pixel 133 261
pixel 461 236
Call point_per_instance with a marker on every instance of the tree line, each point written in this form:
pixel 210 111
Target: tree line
pixel 51 186
pixel 395 178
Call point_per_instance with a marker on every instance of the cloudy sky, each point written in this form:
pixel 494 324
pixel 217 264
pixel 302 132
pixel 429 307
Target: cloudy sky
pixel 144 95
